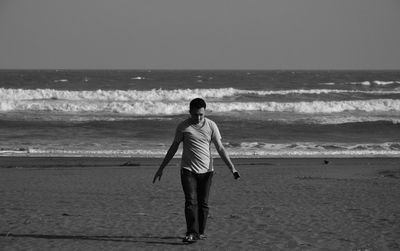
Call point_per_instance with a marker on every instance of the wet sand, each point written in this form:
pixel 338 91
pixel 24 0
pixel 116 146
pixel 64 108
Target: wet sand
pixel 278 204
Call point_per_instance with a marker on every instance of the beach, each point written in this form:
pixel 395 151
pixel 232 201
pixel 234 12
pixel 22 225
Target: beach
pixel 278 204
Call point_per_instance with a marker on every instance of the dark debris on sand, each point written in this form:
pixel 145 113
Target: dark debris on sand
pixel 390 174
pixel 130 163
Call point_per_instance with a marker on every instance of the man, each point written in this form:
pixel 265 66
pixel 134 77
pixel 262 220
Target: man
pixel 196 133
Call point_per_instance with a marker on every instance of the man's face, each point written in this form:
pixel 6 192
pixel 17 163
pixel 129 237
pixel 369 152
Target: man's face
pixel 197 115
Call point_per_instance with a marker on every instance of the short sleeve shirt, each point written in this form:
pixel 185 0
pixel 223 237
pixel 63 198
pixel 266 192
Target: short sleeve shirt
pixel 196 155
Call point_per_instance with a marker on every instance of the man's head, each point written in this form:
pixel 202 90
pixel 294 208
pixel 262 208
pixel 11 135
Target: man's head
pixel 197 110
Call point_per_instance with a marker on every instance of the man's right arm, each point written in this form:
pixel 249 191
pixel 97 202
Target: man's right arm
pixel 170 154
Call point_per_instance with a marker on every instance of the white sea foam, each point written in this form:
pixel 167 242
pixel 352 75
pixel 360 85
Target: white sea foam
pixel 60 80
pixel 350 119
pixel 118 95
pixel 374 105
pixel 171 102
pixel 160 94
pixel 365 83
pixel 384 82
pixel 310 149
pixel 172 108
pixel 387 146
pixel 244 149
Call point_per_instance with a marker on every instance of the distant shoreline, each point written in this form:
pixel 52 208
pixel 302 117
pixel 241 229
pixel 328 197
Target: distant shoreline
pixel 214 157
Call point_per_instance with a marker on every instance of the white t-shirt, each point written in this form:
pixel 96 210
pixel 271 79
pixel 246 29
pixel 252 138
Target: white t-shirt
pixel 196 155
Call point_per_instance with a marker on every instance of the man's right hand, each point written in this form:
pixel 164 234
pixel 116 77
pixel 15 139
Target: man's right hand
pixel 158 175
pixel 236 175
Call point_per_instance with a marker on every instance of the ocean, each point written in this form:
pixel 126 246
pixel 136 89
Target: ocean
pixel 134 113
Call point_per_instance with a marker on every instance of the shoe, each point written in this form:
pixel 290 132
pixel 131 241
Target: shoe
pixel 190 238
pixel 202 236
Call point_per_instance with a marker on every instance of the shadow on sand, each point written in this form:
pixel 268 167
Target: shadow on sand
pixel 167 240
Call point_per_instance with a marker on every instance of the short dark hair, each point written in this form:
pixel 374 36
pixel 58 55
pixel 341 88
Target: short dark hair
pixel 197 103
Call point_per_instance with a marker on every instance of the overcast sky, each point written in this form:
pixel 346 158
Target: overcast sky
pixel 200 34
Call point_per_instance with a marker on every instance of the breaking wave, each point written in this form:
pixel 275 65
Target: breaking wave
pixel 148 108
pixel 244 149
pixel 367 83
pixel 173 102
pixel 310 149
pixel 161 94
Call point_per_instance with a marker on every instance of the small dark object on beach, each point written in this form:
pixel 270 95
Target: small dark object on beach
pixel 16 167
pixel 234 216
pixel 395 174
pixel 65 214
pixel 326 162
pixel 129 163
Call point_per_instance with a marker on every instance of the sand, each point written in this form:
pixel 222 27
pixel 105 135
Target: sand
pixel 278 204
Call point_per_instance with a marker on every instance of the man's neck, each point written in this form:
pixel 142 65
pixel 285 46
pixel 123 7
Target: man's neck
pixel 201 122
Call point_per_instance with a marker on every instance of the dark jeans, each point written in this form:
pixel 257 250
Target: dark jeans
pixel 197 189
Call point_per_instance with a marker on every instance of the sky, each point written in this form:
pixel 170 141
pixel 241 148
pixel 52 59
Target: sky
pixel 206 34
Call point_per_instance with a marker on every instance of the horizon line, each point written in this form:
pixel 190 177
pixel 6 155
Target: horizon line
pixel 191 69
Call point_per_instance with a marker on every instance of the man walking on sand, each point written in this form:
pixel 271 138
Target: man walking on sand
pixel 196 133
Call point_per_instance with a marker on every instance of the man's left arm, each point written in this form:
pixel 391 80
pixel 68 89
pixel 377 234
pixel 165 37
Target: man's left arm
pixel 225 157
